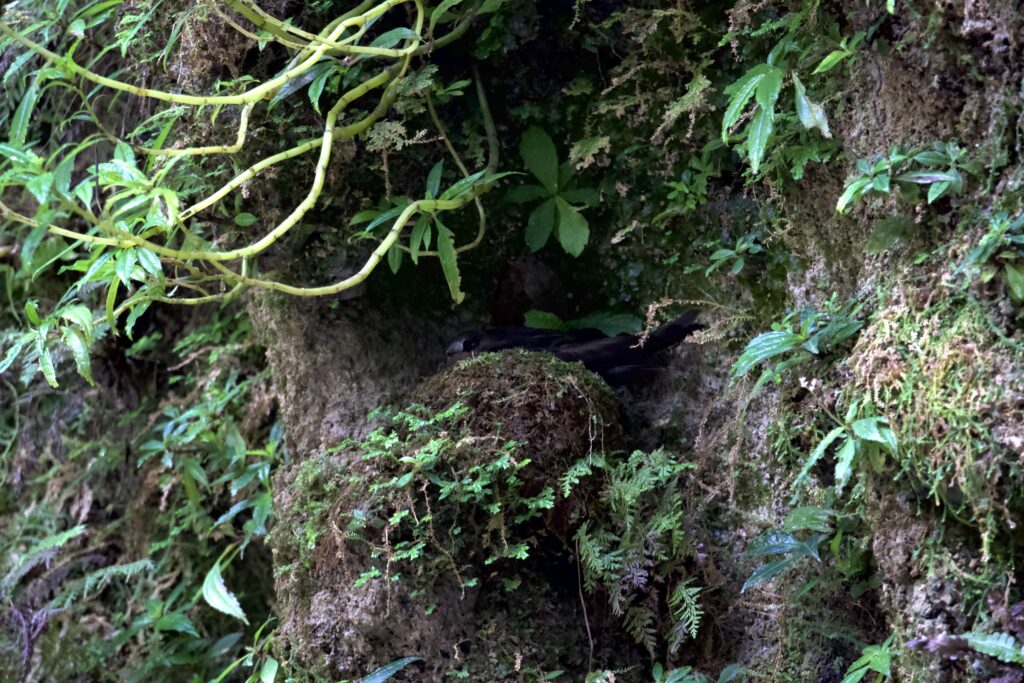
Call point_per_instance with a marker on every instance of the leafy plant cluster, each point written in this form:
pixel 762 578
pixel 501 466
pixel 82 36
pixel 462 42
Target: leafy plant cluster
pixel 999 255
pixel 86 553
pixel 444 499
pixel 800 336
pixel 635 547
pixel 940 168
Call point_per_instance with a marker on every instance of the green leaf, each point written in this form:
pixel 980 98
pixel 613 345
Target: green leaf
pixel 79 315
pixel 150 262
pixel 440 11
pixel 434 179
pixel 811 114
pixel 449 265
pixel 1002 646
pixel 844 463
pixel 543 320
pixel 217 595
pixel 757 137
pixel 126 261
pixel 936 190
pixel 876 429
pixel 831 59
pixel 416 238
pixel 244 220
pixel 45 360
pixel 809 518
pixel 526 193
pixel 852 192
pixel 741 91
pixel 40 186
pixel 23 114
pixel 79 351
pixel 540 157
pixel 386 672
pixel 609 324
pixel 765 346
pixel 573 230
pixel 395 257
pixel 540 224
pixel 77 28
pixel 15 350
pixel 767 572
pixel 816 454
pixel 268 672
pixel 768 89
pixel 1015 280
pixel 32 312
pixel 176 622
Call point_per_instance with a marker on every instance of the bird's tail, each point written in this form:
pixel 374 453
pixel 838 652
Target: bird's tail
pixel 672 333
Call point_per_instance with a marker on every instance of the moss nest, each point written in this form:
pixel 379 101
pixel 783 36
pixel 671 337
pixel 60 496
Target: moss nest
pixel 385 544
pixel 555 410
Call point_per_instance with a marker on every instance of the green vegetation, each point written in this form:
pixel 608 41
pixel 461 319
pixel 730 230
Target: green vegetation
pixel 200 479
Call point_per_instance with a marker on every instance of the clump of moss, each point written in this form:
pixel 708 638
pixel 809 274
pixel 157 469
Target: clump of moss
pixel 384 543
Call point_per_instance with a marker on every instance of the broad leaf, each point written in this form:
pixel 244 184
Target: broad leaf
pixel 816 454
pixel 765 346
pixel 217 595
pixel 79 351
pixel 540 224
pixel 434 179
pixel 812 114
pixel 767 572
pixel 844 463
pixel 541 158
pixel 573 230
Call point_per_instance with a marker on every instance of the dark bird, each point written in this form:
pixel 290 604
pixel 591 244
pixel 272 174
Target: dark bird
pixel 621 359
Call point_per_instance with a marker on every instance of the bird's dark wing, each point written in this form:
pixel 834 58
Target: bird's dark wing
pixel 620 359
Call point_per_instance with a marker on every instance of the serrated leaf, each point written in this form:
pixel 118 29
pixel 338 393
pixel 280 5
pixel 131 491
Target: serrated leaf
pixel 449 264
pixel 741 92
pixel 540 157
pixel 12 353
pixel 1002 646
pixel 809 518
pixel 540 225
pixel 82 317
pixel 774 543
pixel 45 360
pixel 40 186
pixel 573 230
pixel 149 261
pixel 768 89
pixel 19 123
pixel 217 595
pixel 816 454
pixel 757 137
pixel 387 671
pixel 844 463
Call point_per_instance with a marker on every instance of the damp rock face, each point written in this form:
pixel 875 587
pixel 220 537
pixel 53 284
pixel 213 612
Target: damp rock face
pixel 418 539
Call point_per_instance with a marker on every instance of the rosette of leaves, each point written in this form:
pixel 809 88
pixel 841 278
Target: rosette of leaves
pixel 560 209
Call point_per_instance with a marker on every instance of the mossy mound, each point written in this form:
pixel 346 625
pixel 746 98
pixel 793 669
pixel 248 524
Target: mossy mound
pixel 557 411
pixel 384 545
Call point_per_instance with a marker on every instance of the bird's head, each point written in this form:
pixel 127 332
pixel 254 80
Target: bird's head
pixel 464 346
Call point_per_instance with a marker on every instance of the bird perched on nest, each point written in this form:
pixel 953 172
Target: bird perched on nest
pixel 622 359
